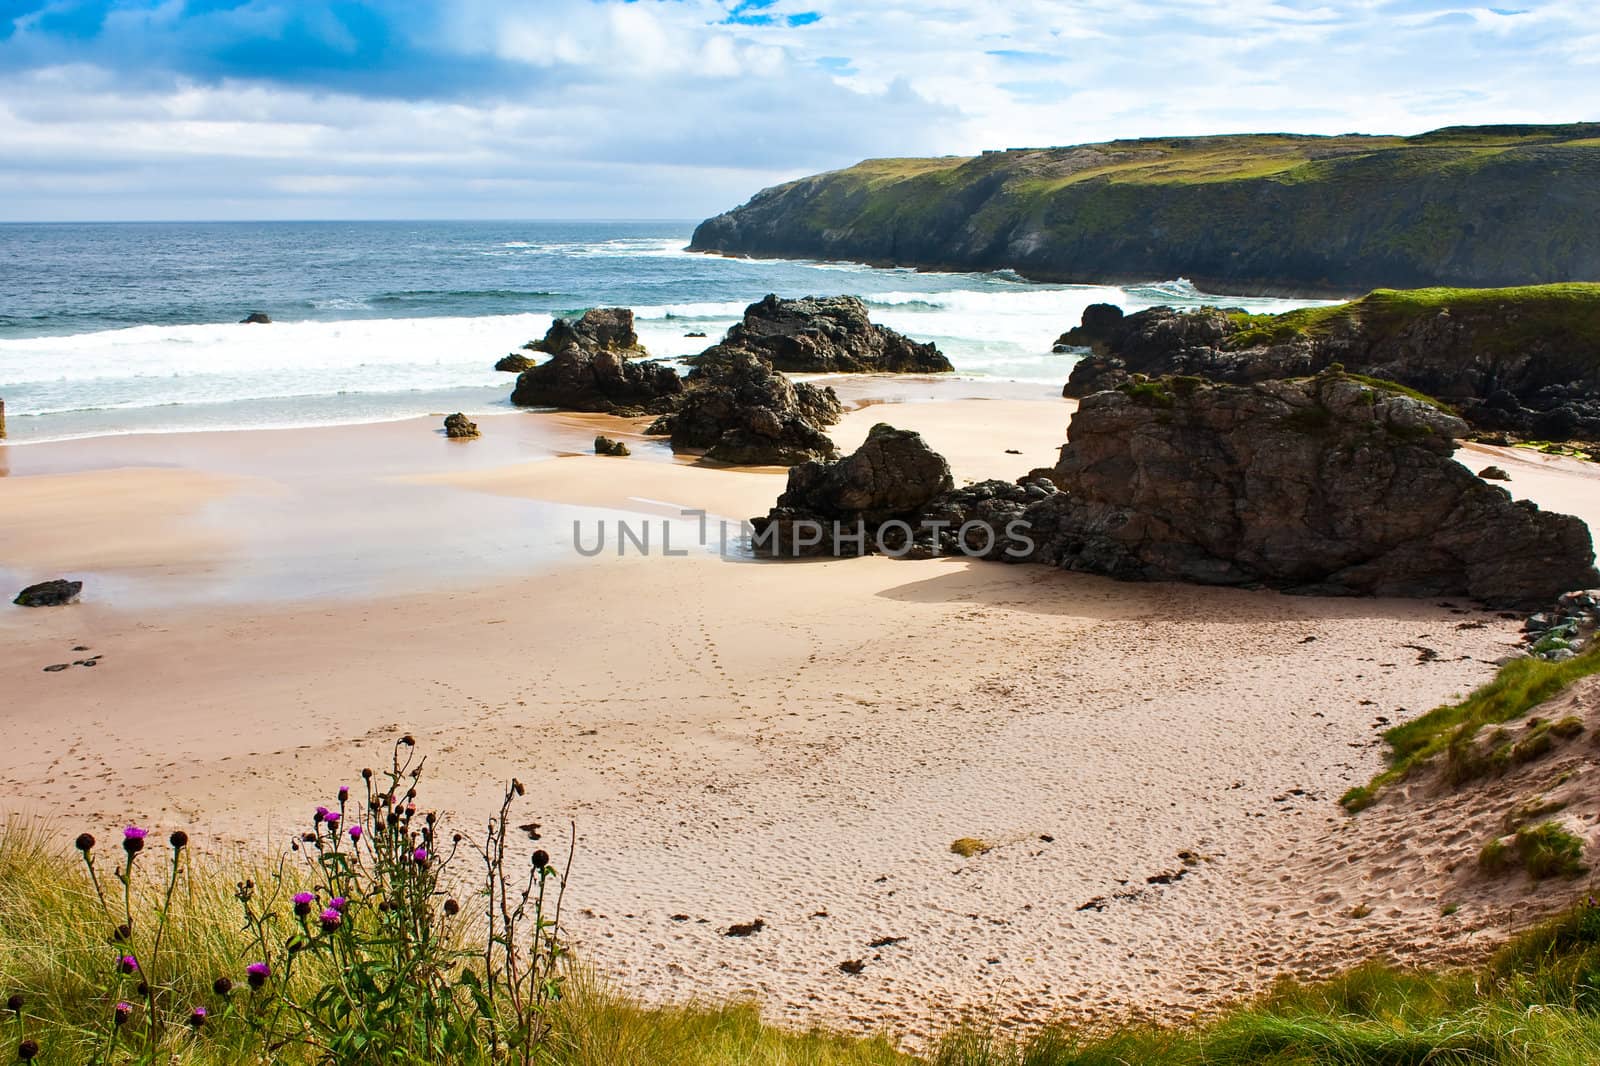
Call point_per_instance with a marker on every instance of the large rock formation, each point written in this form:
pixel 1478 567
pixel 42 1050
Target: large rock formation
pixel 737 409
pixel 838 508
pixel 1322 485
pixel 592 369
pixel 831 334
pixel 1325 485
pixel 1526 361
pixel 1492 205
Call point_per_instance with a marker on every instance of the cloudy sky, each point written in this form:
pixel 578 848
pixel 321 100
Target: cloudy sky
pixel 133 109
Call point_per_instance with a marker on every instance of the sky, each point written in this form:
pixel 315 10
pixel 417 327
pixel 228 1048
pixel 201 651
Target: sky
pixel 298 109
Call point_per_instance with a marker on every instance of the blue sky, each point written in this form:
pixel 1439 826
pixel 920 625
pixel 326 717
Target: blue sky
pixel 114 109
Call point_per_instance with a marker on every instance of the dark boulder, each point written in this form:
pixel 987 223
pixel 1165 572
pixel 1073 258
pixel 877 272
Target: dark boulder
pixel 1100 324
pixel 592 369
pixel 256 318
pixel 606 382
pixel 607 446
pixel 829 334
pixel 459 427
pixel 514 363
pixel 1494 473
pixel 1322 485
pixel 55 593
pixel 892 477
pixel 597 329
pixel 738 410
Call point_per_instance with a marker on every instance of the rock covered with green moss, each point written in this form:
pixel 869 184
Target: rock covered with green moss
pixel 1488 205
pixel 1522 360
pixel 1319 485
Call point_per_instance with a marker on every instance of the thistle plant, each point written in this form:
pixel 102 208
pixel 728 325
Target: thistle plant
pixel 358 952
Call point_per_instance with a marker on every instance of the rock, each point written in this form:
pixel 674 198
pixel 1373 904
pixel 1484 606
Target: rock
pixel 694 333
pixel 458 427
pixel 830 334
pixel 1524 362
pixel 1099 324
pixel 892 476
pixel 738 410
pixel 598 329
pixel 1320 485
pixel 592 369
pixel 256 318
pixel 514 363
pixel 607 446
pixel 1494 473
pixel 55 593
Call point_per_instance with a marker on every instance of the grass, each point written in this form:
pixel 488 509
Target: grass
pixel 967 847
pixel 1324 214
pixel 1537 1003
pixel 1544 850
pixel 1520 686
pixel 1562 317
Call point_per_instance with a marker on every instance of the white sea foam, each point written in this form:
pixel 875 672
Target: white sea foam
pixel 358 369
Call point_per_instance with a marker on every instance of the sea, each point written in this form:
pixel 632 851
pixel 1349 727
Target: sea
pixel 135 327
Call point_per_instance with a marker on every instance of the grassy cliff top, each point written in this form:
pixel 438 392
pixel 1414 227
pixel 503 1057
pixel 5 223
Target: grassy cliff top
pixel 1195 160
pixel 1505 320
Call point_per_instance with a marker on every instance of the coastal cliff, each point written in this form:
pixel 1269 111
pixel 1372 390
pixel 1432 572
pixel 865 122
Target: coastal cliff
pixel 1481 206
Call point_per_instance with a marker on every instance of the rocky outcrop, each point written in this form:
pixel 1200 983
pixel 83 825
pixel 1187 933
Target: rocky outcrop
pixel 515 363
pixel 592 368
pixel 1492 205
pixel 459 427
pixel 892 477
pixel 55 593
pixel 256 318
pixel 599 329
pixel 831 334
pixel 1324 485
pixel 736 409
pixel 1525 361
pixel 607 446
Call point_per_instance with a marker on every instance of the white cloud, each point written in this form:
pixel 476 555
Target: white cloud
pixel 660 108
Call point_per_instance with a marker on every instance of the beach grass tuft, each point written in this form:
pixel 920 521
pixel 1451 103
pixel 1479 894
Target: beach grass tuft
pixel 1520 686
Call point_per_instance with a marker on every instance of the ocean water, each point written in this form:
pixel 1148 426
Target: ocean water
pixel 134 327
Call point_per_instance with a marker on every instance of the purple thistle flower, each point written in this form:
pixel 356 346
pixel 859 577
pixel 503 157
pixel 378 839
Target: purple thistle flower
pixel 330 920
pixel 355 832
pixel 319 815
pixel 133 839
pixel 198 1017
pixel 302 903
pixel 344 793
pixel 128 964
pixel 420 856
pixel 256 974
pixel 337 903
pixel 333 819
pixel 119 1013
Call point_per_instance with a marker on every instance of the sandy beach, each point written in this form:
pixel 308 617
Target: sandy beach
pixel 1156 767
